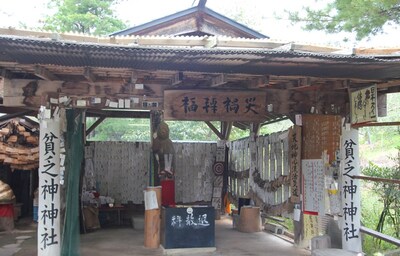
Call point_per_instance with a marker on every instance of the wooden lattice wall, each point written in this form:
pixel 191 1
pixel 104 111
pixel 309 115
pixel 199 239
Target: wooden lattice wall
pixel 121 170
pixel 260 170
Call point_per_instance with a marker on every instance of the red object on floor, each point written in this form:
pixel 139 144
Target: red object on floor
pixel 7 210
pixel 167 192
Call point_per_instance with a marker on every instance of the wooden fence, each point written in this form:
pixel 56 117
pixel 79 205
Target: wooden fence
pixel 121 170
pixel 260 170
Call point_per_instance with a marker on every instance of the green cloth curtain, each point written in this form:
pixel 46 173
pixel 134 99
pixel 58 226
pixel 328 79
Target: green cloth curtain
pixel 73 161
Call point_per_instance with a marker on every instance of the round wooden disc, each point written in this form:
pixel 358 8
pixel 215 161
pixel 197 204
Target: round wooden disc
pixel 218 168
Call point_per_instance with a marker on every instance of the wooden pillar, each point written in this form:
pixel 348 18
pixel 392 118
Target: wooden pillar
pixel 49 234
pixel 155 119
pixel 152 217
pixel 350 191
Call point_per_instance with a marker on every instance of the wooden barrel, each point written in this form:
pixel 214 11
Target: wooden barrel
pixel 152 222
pixel 249 219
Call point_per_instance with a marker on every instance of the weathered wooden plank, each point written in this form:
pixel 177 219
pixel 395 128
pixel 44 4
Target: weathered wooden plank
pixel 260 156
pixel 22 92
pixel 320 132
pixel 295 162
pixel 278 170
pixel 286 170
pixel 210 105
pixel 272 163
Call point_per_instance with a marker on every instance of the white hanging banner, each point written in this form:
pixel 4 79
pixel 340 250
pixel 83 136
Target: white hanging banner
pixel 350 191
pixel 49 241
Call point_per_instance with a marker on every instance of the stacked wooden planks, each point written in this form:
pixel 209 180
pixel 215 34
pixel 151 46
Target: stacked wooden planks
pixel 19 146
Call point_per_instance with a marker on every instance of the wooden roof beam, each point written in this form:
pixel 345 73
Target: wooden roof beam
pixel 44 73
pixel 117 113
pixel 177 78
pixel 4 73
pixel 88 74
pixel 388 84
pixel 260 82
pixel 219 80
pixel 240 125
pixel 13 115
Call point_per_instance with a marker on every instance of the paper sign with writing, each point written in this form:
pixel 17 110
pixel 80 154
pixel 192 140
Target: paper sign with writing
pixel 214 105
pixel 363 105
pixel 49 239
pixel 313 186
pixel 350 191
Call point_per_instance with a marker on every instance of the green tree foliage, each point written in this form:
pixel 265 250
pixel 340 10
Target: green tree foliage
pixel 379 142
pixel 389 195
pixel 120 129
pixel 363 17
pixel 84 16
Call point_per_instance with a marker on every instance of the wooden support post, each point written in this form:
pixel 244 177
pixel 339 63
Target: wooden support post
pixel 88 74
pixel 152 220
pixel 226 128
pixel 219 80
pixel 49 173
pixel 155 119
pixel 254 130
pixel 94 125
pixel 177 78
pixel 215 130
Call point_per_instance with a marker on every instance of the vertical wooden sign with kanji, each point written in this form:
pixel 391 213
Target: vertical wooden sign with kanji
pixel 295 162
pixel 350 191
pixel 363 105
pixel 49 240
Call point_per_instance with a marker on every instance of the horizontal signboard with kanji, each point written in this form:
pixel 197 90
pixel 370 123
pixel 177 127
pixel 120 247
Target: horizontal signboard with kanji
pixel 215 105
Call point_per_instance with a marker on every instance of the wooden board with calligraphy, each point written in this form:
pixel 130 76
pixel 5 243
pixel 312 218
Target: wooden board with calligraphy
pixel 207 105
pixel 187 227
pixel 320 132
pixel 295 162
pixel 363 105
pixel 49 233
pixel 350 191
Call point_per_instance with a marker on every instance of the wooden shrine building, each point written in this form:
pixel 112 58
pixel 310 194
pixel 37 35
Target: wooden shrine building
pixel 199 65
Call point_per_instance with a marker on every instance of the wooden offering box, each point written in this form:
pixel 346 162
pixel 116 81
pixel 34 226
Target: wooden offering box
pixel 187 227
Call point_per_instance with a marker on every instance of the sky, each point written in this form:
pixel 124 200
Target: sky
pixel 262 15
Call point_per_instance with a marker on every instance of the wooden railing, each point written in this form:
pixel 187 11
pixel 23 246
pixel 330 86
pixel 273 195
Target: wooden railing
pixel 380 236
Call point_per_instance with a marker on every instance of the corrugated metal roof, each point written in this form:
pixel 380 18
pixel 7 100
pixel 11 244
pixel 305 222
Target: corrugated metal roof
pixel 198 59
